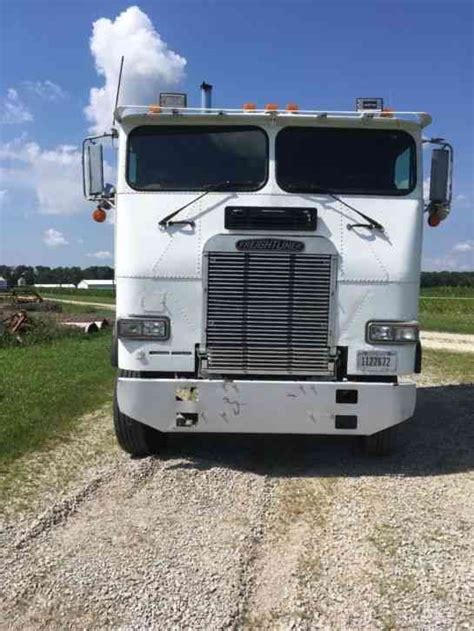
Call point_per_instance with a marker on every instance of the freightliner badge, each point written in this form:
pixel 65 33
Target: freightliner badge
pixel 280 245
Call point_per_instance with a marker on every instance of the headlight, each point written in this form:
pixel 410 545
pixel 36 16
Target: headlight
pixel 144 329
pixel 392 332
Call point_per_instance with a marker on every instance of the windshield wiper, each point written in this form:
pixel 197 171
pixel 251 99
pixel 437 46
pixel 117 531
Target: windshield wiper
pixel 166 221
pixel 372 224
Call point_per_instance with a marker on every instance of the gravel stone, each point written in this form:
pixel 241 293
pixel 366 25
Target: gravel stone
pixel 234 532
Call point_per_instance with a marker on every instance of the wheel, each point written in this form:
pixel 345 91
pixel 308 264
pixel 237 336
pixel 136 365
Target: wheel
pixel 134 437
pixel 379 444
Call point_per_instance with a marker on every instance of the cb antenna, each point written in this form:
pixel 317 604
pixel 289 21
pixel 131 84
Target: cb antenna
pixel 118 90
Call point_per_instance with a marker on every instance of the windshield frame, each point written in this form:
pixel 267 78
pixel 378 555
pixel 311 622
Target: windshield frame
pixel 212 127
pixel 314 190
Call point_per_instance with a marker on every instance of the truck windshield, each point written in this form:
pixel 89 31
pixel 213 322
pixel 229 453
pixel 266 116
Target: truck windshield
pixel 194 158
pixel 358 161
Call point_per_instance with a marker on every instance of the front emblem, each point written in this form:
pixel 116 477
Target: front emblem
pixel 281 245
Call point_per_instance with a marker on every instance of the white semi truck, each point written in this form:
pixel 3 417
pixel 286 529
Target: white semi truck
pixel 267 267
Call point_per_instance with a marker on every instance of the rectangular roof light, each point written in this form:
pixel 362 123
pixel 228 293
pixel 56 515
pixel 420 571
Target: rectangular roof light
pixel 172 99
pixel 368 103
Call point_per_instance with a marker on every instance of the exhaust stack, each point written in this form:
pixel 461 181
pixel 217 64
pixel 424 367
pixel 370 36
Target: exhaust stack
pixel 206 96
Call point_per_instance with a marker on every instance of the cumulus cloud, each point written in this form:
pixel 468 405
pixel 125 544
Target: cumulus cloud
pixel 13 110
pixel 446 263
pixel 101 255
pixel 54 238
pixel 46 90
pixel 150 66
pixel 55 175
pixel 464 246
pixel 457 259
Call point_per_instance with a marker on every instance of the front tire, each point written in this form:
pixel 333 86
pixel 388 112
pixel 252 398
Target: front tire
pixel 379 444
pixel 135 438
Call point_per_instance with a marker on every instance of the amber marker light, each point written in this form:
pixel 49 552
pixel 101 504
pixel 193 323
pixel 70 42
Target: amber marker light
pixel 434 220
pixel 271 107
pixel 292 107
pixel 249 107
pixel 99 215
pixel 154 109
pixel 387 112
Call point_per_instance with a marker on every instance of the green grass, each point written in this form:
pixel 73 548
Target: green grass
pixel 45 388
pixel 453 315
pixel 97 312
pixel 87 295
pixel 442 365
pixel 448 292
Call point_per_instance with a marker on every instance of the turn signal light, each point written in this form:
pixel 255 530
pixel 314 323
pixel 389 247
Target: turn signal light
pixel 292 107
pixel 248 107
pixel 154 109
pixel 387 112
pixel 271 107
pixel 434 220
pixel 99 215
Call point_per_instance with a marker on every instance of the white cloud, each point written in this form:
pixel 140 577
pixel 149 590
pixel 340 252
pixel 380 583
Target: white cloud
pixel 462 201
pixel 149 66
pixel 13 110
pixel 101 254
pixel 445 263
pixel 54 238
pixel 55 175
pixel 458 259
pixel 464 246
pixel 46 90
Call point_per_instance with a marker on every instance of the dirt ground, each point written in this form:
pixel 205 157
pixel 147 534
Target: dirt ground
pixel 251 533
pixel 455 342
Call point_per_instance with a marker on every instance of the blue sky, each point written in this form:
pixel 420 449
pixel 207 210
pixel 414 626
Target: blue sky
pixel 418 55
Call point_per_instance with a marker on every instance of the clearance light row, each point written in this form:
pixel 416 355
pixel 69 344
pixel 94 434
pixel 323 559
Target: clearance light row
pixel 247 107
pixel 179 101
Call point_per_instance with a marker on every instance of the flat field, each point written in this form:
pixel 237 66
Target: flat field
pixel 47 385
pixel 91 295
pixel 449 309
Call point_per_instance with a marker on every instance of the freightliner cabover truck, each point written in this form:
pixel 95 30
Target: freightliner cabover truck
pixel 267 267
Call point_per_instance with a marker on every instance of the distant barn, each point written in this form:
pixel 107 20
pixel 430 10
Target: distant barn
pixel 96 284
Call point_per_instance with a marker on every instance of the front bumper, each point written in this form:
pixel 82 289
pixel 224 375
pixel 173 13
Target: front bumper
pixel 267 407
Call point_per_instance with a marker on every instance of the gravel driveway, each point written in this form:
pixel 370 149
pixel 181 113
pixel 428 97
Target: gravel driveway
pixel 267 533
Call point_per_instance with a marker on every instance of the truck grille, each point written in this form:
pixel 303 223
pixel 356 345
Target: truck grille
pixel 268 313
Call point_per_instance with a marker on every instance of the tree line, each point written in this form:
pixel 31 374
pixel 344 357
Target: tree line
pixel 43 275
pixel 447 279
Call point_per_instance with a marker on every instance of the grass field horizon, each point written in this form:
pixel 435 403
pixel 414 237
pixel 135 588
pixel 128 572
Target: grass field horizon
pixel 444 309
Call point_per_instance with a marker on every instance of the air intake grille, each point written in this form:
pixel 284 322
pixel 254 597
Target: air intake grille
pixel 268 313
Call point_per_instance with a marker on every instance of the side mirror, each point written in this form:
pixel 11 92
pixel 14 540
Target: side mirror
pixel 440 178
pixel 93 169
pixel 441 184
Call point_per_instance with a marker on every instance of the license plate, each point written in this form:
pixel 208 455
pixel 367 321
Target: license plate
pixel 377 361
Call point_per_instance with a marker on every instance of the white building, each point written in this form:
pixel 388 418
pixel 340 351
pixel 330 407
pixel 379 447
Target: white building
pixel 96 284
pixel 55 286
pixel 3 284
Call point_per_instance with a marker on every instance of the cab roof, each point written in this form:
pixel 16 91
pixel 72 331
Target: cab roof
pixel 155 113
